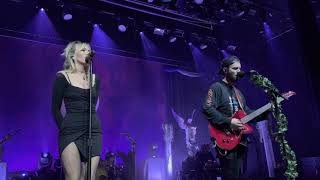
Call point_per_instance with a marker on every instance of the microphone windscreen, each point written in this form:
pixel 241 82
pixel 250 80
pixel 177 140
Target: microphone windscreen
pixel 241 74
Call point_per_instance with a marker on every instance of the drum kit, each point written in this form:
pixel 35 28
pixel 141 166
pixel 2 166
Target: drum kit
pixel 107 168
pixel 201 166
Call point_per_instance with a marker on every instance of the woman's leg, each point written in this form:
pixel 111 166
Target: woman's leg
pixel 71 162
pixel 94 166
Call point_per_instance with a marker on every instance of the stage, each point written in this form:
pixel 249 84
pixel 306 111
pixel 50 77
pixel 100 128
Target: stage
pixel 156 61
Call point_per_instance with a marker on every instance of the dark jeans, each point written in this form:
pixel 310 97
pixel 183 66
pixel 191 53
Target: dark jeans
pixel 230 168
pixel 231 163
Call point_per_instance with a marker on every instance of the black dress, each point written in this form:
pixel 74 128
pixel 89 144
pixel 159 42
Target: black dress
pixel 73 127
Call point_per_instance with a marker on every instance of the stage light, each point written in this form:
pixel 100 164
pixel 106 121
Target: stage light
pixel 240 14
pixel 95 25
pixel 67 16
pixel 203 46
pixel 65 9
pixel 158 31
pixel 122 28
pixel 44 155
pixel 190 43
pixel 41 9
pixel 172 39
pixel 124 23
pixel 45 160
pixel 150 1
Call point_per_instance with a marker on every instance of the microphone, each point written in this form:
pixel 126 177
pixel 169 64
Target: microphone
pixel 89 57
pixel 241 74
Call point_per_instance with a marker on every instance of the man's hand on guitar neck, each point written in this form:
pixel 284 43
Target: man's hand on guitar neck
pixel 236 124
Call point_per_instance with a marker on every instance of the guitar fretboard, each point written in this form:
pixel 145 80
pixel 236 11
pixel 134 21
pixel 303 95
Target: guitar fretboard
pixel 256 113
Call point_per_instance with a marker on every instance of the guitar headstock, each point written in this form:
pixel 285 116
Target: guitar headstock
pixel 286 96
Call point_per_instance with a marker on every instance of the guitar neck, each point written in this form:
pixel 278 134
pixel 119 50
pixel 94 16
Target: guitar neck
pixel 256 113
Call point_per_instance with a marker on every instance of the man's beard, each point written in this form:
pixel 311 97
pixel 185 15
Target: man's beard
pixel 232 78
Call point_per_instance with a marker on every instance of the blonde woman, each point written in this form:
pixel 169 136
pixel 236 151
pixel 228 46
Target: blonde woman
pixel 71 86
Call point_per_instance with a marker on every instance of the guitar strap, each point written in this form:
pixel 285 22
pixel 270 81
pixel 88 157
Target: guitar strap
pixel 237 92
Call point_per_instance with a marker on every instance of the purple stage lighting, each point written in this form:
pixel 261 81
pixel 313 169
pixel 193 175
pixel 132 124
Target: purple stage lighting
pixel 224 53
pixel 44 155
pixel 267 30
pixel 122 28
pixel 240 14
pixel 67 16
pixel 203 46
pixel 158 31
pixel 172 39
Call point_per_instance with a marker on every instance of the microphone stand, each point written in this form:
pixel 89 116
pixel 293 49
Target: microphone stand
pixel 89 61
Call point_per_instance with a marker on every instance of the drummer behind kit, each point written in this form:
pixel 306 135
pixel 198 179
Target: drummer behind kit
pixel 3 165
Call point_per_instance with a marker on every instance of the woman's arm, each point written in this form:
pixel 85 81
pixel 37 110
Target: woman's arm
pixel 57 97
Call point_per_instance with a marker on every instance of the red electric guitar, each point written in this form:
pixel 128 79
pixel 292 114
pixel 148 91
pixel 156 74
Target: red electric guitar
pixel 227 138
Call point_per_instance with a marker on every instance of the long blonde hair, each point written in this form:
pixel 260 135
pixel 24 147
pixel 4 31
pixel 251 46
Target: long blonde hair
pixel 69 54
